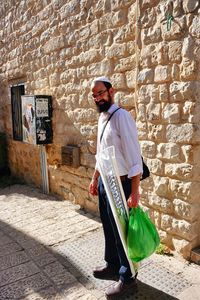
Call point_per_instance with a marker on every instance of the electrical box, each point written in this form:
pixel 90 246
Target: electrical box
pixel 36 119
pixel 70 155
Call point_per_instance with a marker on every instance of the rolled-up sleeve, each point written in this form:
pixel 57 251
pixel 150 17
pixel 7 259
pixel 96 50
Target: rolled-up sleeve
pixel 130 144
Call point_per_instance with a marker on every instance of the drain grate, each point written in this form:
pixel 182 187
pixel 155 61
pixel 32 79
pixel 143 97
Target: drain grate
pixel 155 281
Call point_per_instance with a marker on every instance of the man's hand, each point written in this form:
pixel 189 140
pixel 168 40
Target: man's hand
pixel 133 200
pixel 93 187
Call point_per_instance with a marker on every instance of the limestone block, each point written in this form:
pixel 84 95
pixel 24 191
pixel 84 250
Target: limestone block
pixel 115 5
pixel 151 35
pixel 148 148
pixel 174 51
pixel 146 54
pixel 145 76
pixel 84 32
pixel 168 151
pixel 42 83
pixel 187 152
pixel 88 160
pixel 130 79
pixel 195 27
pixel 118 81
pixel 179 171
pixel 71 8
pixel 161 186
pixel 182 246
pixel 166 222
pixel 186 210
pixel 91 205
pixel 143 95
pixel 162 204
pixel 164 237
pixel 116 51
pixel 54 79
pixel 187 191
pixel 88 131
pixel 156 132
pixel 195 154
pixel 67 76
pixel 154 215
pixel 120 97
pixel 81 72
pixel 125 33
pixel 131 47
pixel 188 47
pixel 38 28
pixel 45 13
pixel 141 115
pixel 127 100
pixel 153 112
pixel 148 18
pixel 162 74
pixel 92 145
pixel 163 92
pixel 79 195
pixel 68 103
pixel 156 166
pixel 191 112
pixel 85 115
pixel 171 113
pixel 161 56
pixel 177 8
pixel 119 18
pixel 188 69
pixel 96 69
pixel 175 72
pixel 54 44
pixel 142 130
pixel 190 5
pixel 94 27
pixel 183 91
pixel 125 64
pixel 149 3
pixel 185 133
pixel 184 229
pixel 90 56
pixel 176 31
pixel 154 54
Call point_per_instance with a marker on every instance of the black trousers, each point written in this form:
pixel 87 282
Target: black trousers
pixel 114 252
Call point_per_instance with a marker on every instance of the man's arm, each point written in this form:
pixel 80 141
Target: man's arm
pixel 93 187
pixel 134 197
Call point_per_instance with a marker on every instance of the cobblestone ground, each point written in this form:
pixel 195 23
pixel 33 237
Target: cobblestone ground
pixel 48 248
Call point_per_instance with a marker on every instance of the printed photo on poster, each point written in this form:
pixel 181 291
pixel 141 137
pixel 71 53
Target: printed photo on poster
pixel 28 119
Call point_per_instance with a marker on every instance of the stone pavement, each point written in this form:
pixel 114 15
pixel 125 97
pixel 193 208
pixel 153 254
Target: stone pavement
pixel 48 248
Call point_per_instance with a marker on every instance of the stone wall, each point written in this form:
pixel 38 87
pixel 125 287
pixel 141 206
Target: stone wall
pixel 168 118
pixel 58 47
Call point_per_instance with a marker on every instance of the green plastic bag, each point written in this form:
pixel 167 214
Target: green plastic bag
pixel 143 237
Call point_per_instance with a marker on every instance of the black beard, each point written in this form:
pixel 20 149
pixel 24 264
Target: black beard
pixel 105 106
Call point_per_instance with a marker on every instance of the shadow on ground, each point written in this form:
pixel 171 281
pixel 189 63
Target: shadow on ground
pixel 27 266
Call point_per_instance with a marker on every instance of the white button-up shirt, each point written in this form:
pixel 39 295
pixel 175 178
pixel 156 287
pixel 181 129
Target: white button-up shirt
pixel 121 132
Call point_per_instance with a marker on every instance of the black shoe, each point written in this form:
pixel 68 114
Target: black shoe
pixel 120 288
pixel 106 272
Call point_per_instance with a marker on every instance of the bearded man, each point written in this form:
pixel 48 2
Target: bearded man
pixel 121 133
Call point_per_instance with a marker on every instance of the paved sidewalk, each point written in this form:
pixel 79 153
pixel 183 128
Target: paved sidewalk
pixel 49 247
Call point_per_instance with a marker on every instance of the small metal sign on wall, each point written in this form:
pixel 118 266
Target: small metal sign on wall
pixel 37 128
pixel 70 155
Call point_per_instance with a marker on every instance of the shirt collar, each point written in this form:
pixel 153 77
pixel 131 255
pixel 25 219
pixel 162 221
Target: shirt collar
pixel 112 108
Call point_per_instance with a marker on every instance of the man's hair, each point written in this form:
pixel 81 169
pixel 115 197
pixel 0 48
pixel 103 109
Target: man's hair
pixel 107 85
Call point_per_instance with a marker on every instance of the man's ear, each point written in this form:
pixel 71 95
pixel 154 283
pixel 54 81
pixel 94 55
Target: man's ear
pixel 111 91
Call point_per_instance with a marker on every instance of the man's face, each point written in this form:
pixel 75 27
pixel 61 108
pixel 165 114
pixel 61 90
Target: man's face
pixel 102 96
